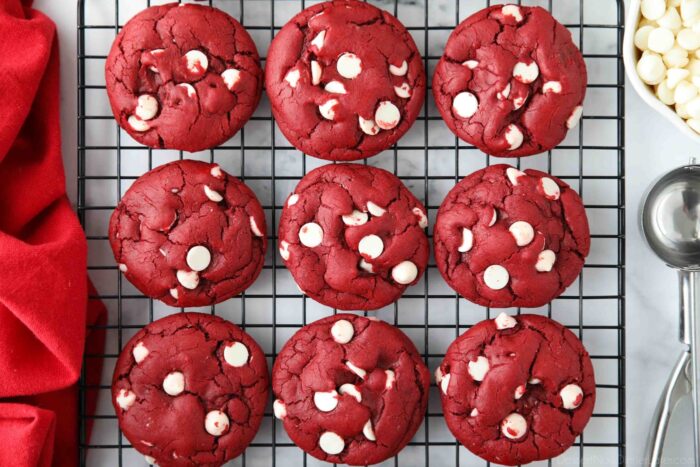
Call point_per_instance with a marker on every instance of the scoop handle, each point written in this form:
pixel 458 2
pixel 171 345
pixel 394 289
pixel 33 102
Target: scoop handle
pixel 690 313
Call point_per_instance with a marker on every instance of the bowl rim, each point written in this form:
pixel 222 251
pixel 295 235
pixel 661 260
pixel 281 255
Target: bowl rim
pixel 630 56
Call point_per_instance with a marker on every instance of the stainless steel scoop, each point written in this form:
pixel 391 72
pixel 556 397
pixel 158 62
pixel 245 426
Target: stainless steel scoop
pixel 671 225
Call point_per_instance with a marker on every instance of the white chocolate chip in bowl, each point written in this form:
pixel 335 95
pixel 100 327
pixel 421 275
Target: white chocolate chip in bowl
pixel 651 68
pixel 465 104
pixel 661 40
pixel 387 116
pixel 311 235
pixel 349 65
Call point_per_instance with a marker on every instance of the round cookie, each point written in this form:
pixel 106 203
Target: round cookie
pixel 516 389
pixel 506 238
pixel 353 236
pixel 183 77
pixel 350 390
pixel 511 81
pixel 345 80
pixel 190 390
pixel 189 234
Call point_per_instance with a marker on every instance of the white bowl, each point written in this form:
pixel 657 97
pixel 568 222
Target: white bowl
pixel 630 55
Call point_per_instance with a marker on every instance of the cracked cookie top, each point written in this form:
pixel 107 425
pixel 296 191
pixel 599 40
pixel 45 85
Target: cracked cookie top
pixel 511 81
pixel 350 389
pixel 183 77
pixel 190 390
pixel 508 238
pixel 517 389
pixel 353 236
pixel 345 80
pixel 189 234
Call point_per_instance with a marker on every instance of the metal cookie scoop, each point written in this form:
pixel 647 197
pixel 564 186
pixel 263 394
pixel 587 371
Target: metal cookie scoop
pixel 671 225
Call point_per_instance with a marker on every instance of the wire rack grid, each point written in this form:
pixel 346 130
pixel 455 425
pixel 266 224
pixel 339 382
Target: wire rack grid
pixel 429 160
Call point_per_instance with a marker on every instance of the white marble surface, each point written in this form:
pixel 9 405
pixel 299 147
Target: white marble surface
pixel 653 146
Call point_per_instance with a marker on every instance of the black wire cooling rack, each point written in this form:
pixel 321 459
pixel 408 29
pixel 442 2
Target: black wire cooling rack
pixel 429 160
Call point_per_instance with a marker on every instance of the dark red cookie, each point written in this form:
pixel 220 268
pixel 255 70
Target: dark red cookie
pixel 517 389
pixel 511 81
pixel 350 389
pixel 353 236
pixel 189 234
pixel 190 390
pixel 183 77
pixel 345 80
pixel 508 238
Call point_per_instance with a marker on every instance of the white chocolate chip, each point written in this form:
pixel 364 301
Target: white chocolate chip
pixel 641 37
pixel 216 172
pixel 519 392
pixel 688 39
pixel 505 321
pixel 236 354
pixel 387 115
pixel 198 258
pixel 494 217
pixel 123 267
pixel 368 431
pixel 653 9
pixel 651 69
pixel 575 117
pixel 503 94
pixel 519 101
pixel 471 64
pixel 690 10
pixel 174 383
pixel 478 368
pixel 445 383
pixel 685 92
pixel 355 218
pixel 331 443
pixel 694 124
pixel 522 232
pixel 174 293
pixel 371 246
pixel 231 77
pixel 552 87
pixel 315 72
pixel 545 261
pixel 335 87
pixel 534 381
pixel 213 195
pixel 375 209
pixel 146 107
pixel 137 124
pixel 150 460
pixel 513 11
pixel 284 250
pixel 661 40
pixel 526 72
pixel 327 109
pixel 571 396
pixel 293 199
pixel 404 273
pixel 365 266
pixel 550 188
pixel 279 409
pixel 390 379
pixel 671 20
pixel 355 369
pixel 693 107
pixel 496 277
pixel 474 412
pixel 674 76
pixel 438 375
pixel 467 240
pixel 292 77
pixel 514 137
pixel 311 235
pixel 197 62
pixel 514 426
pixel 140 352
pixel 399 70
pixel 125 399
pixel 465 104
pixel 368 127
pixel 422 218
pixel 403 91
pixel 665 94
pixel 512 173
pixel 349 65
pixel 188 279
pixel 216 423
pixel 319 40
pixel 254 227
pixel 326 401
pixel 677 57
pixel 342 331
pixel 350 390
pixel 155 53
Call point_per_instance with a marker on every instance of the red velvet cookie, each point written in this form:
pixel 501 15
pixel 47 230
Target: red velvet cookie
pixel 350 389
pixel 183 77
pixel 508 238
pixel 190 390
pixel 353 236
pixel 345 80
pixel 517 389
pixel 511 81
pixel 189 234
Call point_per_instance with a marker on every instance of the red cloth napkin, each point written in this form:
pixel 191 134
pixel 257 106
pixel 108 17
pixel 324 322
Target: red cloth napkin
pixel 43 283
